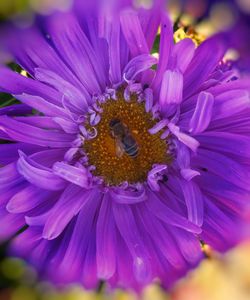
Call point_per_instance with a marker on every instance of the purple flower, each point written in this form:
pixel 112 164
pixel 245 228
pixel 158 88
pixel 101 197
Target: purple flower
pixel 128 162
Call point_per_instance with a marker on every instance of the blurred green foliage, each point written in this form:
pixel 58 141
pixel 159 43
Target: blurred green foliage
pixel 10 8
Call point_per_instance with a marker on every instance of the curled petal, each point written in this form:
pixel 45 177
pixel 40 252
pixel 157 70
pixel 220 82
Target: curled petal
pixel 137 65
pixel 128 197
pixel 186 139
pixel 78 176
pixel 38 175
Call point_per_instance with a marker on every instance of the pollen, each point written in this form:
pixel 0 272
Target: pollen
pixel 102 151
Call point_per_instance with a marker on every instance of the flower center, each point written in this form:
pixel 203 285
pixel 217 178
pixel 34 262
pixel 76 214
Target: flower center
pixel 124 150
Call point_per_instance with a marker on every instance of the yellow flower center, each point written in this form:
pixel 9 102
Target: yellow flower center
pixel 117 161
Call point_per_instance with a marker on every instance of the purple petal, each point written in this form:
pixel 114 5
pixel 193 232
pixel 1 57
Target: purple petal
pixel 14 83
pixel 47 158
pixel 189 174
pixel 186 139
pixel 76 175
pixel 224 191
pixel 72 263
pixel 189 245
pixel 133 33
pixel 171 89
pixel 67 125
pixel 150 20
pixel 225 142
pixel 169 216
pixel 10 224
pixel 240 84
pixel 42 105
pixel 89 272
pixel 160 236
pixel 9 152
pixel 27 199
pixel 22 132
pixel 113 35
pixel 39 175
pixel 183 53
pixel 9 176
pixel 202 114
pixel 224 167
pixel 206 58
pixel 220 229
pixel 74 46
pixel 128 197
pixel 230 103
pixel 77 98
pixel 138 65
pixel 126 223
pixel 106 240
pixel 166 43
pixel 15 110
pixel 194 201
pixel 68 205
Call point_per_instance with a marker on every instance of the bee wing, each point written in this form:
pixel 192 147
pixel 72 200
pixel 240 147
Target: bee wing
pixel 119 149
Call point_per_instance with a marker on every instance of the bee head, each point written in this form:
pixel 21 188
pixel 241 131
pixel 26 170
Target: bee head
pixel 114 122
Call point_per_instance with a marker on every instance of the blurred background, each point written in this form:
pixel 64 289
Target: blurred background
pixel 219 277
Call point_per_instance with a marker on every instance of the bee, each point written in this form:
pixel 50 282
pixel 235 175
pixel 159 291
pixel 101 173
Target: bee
pixel 124 141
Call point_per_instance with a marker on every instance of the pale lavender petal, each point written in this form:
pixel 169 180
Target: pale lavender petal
pixel 76 175
pixel 138 65
pixel 128 197
pixel 171 89
pixel 154 176
pixel 202 114
pixel 189 174
pixel 186 139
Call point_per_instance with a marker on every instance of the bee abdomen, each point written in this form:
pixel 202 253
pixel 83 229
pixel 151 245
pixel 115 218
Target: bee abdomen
pixel 130 146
